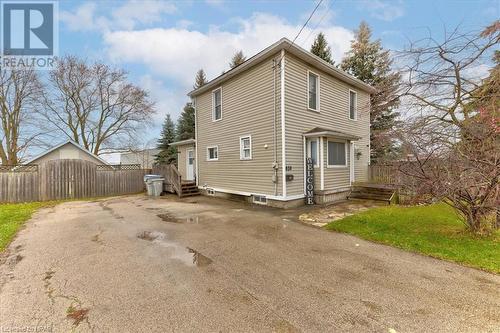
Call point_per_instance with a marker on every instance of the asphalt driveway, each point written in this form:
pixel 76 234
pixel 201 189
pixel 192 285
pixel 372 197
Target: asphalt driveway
pixel 134 264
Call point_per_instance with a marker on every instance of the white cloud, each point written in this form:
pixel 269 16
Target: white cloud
pixel 127 16
pixel 82 19
pixel 384 10
pixel 184 24
pixel 141 12
pixel 168 100
pixel 171 56
pixel 178 53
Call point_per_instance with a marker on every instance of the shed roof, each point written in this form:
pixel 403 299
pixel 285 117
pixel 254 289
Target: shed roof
pixel 64 143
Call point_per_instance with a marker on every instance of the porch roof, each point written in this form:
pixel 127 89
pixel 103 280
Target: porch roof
pixel 183 142
pixel 318 131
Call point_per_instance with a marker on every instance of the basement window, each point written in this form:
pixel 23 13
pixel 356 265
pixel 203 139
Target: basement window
pixel 260 199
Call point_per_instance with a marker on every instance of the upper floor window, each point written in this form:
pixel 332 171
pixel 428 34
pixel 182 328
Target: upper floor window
pixel 337 154
pixel 213 153
pixel 313 91
pixel 217 104
pixel 246 148
pixel 353 112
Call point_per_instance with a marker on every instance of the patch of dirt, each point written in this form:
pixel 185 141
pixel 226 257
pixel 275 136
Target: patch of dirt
pixel 199 259
pixel 166 217
pixel 284 326
pixel 111 210
pixel 77 314
pixel 17 258
pixel 48 275
pixel 374 307
pixel 147 235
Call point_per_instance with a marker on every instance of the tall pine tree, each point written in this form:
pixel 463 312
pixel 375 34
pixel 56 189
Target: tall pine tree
pixel 238 59
pixel 185 124
pixel 167 153
pixel 368 61
pixel 200 79
pixel 320 48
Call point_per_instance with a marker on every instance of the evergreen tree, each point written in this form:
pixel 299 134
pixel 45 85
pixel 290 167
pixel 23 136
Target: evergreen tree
pixel 238 59
pixel 369 62
pixel 200 79
pixel 167 153
pixel 185 124
pixel 320 48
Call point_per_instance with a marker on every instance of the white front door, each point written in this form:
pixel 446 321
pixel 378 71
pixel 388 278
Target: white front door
pixel 190 165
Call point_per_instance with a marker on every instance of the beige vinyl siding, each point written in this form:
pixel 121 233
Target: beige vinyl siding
pixel 181 159
pixel 247 109
pixel 333 114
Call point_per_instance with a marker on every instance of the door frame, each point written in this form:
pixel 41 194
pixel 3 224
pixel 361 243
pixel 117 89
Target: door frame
pixel 351 162
pixel 187 164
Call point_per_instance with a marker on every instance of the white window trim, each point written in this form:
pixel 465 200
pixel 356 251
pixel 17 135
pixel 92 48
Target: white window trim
pixel 317 91
pixel 213 104
pixel 345 154
pixel 308 149
pixel 208 153
pixel 255 196
pixel 242 157
pixel 349 103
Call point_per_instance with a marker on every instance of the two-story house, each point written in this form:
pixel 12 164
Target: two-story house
pixel 259 123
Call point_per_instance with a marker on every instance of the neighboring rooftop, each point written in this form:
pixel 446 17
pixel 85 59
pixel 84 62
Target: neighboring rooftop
pixel 71 142
pixel 288 46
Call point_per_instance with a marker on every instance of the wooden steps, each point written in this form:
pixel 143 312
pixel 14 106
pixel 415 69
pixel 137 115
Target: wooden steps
pixel 189 189
pixel 372 192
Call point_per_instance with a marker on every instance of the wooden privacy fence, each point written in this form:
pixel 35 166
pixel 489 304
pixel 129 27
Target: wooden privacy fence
pixel 384 174
pixel 68 179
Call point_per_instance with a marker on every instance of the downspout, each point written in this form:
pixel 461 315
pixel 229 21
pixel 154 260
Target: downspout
pixel 275 134
pixel 283 134
pixel 197 176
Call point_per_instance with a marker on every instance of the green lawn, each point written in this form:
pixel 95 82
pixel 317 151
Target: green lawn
pixel 434 230
pixel 13 216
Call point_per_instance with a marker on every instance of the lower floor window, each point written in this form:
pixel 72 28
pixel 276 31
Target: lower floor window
pixel 337 153
pixel 213 153
pixel 246 148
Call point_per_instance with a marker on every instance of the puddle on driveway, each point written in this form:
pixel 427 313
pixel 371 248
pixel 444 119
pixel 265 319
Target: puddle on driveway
pixel 172 219
pixel 186 255
pixel 169 218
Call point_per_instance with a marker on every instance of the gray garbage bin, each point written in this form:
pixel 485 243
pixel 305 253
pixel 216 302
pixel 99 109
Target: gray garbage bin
pixel 157 186
pixel 152 184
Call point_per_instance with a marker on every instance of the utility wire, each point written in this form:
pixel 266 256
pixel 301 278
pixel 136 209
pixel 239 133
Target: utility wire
pixel 303 26
pixel 319 22
pixel 310 16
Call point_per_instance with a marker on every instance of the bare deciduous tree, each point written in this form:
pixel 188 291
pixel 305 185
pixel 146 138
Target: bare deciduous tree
pixel 454 135
pixel 20 94
pixel 95 105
